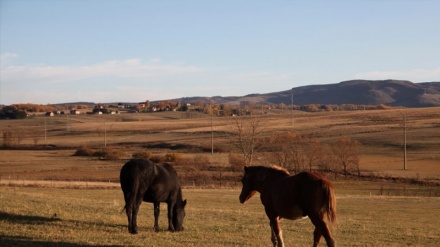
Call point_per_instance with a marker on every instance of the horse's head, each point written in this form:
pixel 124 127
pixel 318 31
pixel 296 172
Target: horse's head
pixel 179 215
pixel 249 188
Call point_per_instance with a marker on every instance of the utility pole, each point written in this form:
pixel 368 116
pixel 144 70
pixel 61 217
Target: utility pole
pixel 404 141
pixel 291 108
pixel 45 131
pixel 212 137
pixel 105 134
pixel 68 123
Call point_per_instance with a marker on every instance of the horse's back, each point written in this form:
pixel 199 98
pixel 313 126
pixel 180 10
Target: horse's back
pixel 308 184
pixel 137 171
pixel 294 196
pixel 164 186
pixel 171 174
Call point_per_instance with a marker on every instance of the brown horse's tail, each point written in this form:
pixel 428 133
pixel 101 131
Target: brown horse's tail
pixel 329 206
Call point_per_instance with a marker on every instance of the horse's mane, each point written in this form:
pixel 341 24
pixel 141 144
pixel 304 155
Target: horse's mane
pixel 279 169
pixel 269 170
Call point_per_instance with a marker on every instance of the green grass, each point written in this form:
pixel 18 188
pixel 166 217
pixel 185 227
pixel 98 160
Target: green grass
pixel 31 216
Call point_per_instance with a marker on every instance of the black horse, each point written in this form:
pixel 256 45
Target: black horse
pixel 143 180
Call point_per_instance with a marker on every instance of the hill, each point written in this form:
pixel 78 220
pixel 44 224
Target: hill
pixel 359 92
pixel 355 92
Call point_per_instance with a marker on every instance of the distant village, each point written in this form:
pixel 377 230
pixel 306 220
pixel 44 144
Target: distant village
pixel 17 111
pixel 128 108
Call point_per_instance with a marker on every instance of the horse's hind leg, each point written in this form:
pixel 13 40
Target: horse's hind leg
pixel 128 211
pixel 156 215
pixel 316 237
pixel 134 212
pixel 321 229
pixel 132 215
pixel 277 237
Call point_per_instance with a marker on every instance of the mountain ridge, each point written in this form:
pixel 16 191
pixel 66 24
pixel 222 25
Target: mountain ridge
pixel 357 92
pixel 360 92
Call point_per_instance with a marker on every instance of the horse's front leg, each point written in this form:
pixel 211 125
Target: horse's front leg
pixel 277 237
pixel 273 237
pixel 170 217
pixel 156 215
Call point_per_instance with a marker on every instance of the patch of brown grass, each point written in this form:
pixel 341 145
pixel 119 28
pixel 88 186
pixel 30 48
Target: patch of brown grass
pixel 64 217
pixel 379 131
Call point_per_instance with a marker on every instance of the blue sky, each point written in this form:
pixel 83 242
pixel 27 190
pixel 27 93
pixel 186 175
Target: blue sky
pixel 114 50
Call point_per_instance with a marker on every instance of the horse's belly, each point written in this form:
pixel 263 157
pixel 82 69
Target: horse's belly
pixel 293 213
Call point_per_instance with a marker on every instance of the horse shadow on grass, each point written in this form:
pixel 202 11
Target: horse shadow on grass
pixel 36 220
pixel 27 219
pixel 25 241
pixel 6 240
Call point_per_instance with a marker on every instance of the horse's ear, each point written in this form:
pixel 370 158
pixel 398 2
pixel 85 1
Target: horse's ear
pixel 246 168
pixel 184 203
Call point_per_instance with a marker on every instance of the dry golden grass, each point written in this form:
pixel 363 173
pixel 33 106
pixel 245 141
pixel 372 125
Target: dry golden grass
pixel 91 217
pixel 78 211
pixel 379 131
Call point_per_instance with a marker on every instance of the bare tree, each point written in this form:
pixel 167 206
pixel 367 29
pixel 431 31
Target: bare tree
pixel 288 151
pixel 312 152
pixel 36 139
pixel 8 137
pixel 248 136
pixel 327 158
pixel 279 155
pixel 346 152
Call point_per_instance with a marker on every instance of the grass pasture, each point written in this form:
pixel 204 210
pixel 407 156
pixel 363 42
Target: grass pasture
pixel 45 145
pixel 34 216
pixel 49 197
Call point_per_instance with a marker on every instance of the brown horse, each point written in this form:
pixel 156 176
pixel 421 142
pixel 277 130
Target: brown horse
pixel 291 197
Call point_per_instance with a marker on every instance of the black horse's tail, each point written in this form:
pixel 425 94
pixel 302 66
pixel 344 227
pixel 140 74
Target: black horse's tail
pixel 130 187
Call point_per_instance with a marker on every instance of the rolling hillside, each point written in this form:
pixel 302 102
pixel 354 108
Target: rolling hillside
pixel 361 92
pixel 357 92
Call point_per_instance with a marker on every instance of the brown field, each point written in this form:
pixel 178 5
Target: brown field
pixel 46 145
pixel 49 197
pixel 35 216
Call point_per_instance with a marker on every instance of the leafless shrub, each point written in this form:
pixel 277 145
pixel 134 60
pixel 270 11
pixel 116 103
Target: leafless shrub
pixel 196 163
pixel 105 153
pixel 236 162
pixel 187 163
pixel 110 154
pixel 172 157
pixel 157 158
pixel 201 162
pixel 84 151
pixel 144 154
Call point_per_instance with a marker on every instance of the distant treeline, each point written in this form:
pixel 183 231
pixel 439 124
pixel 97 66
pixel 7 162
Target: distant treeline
pixel 17 111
